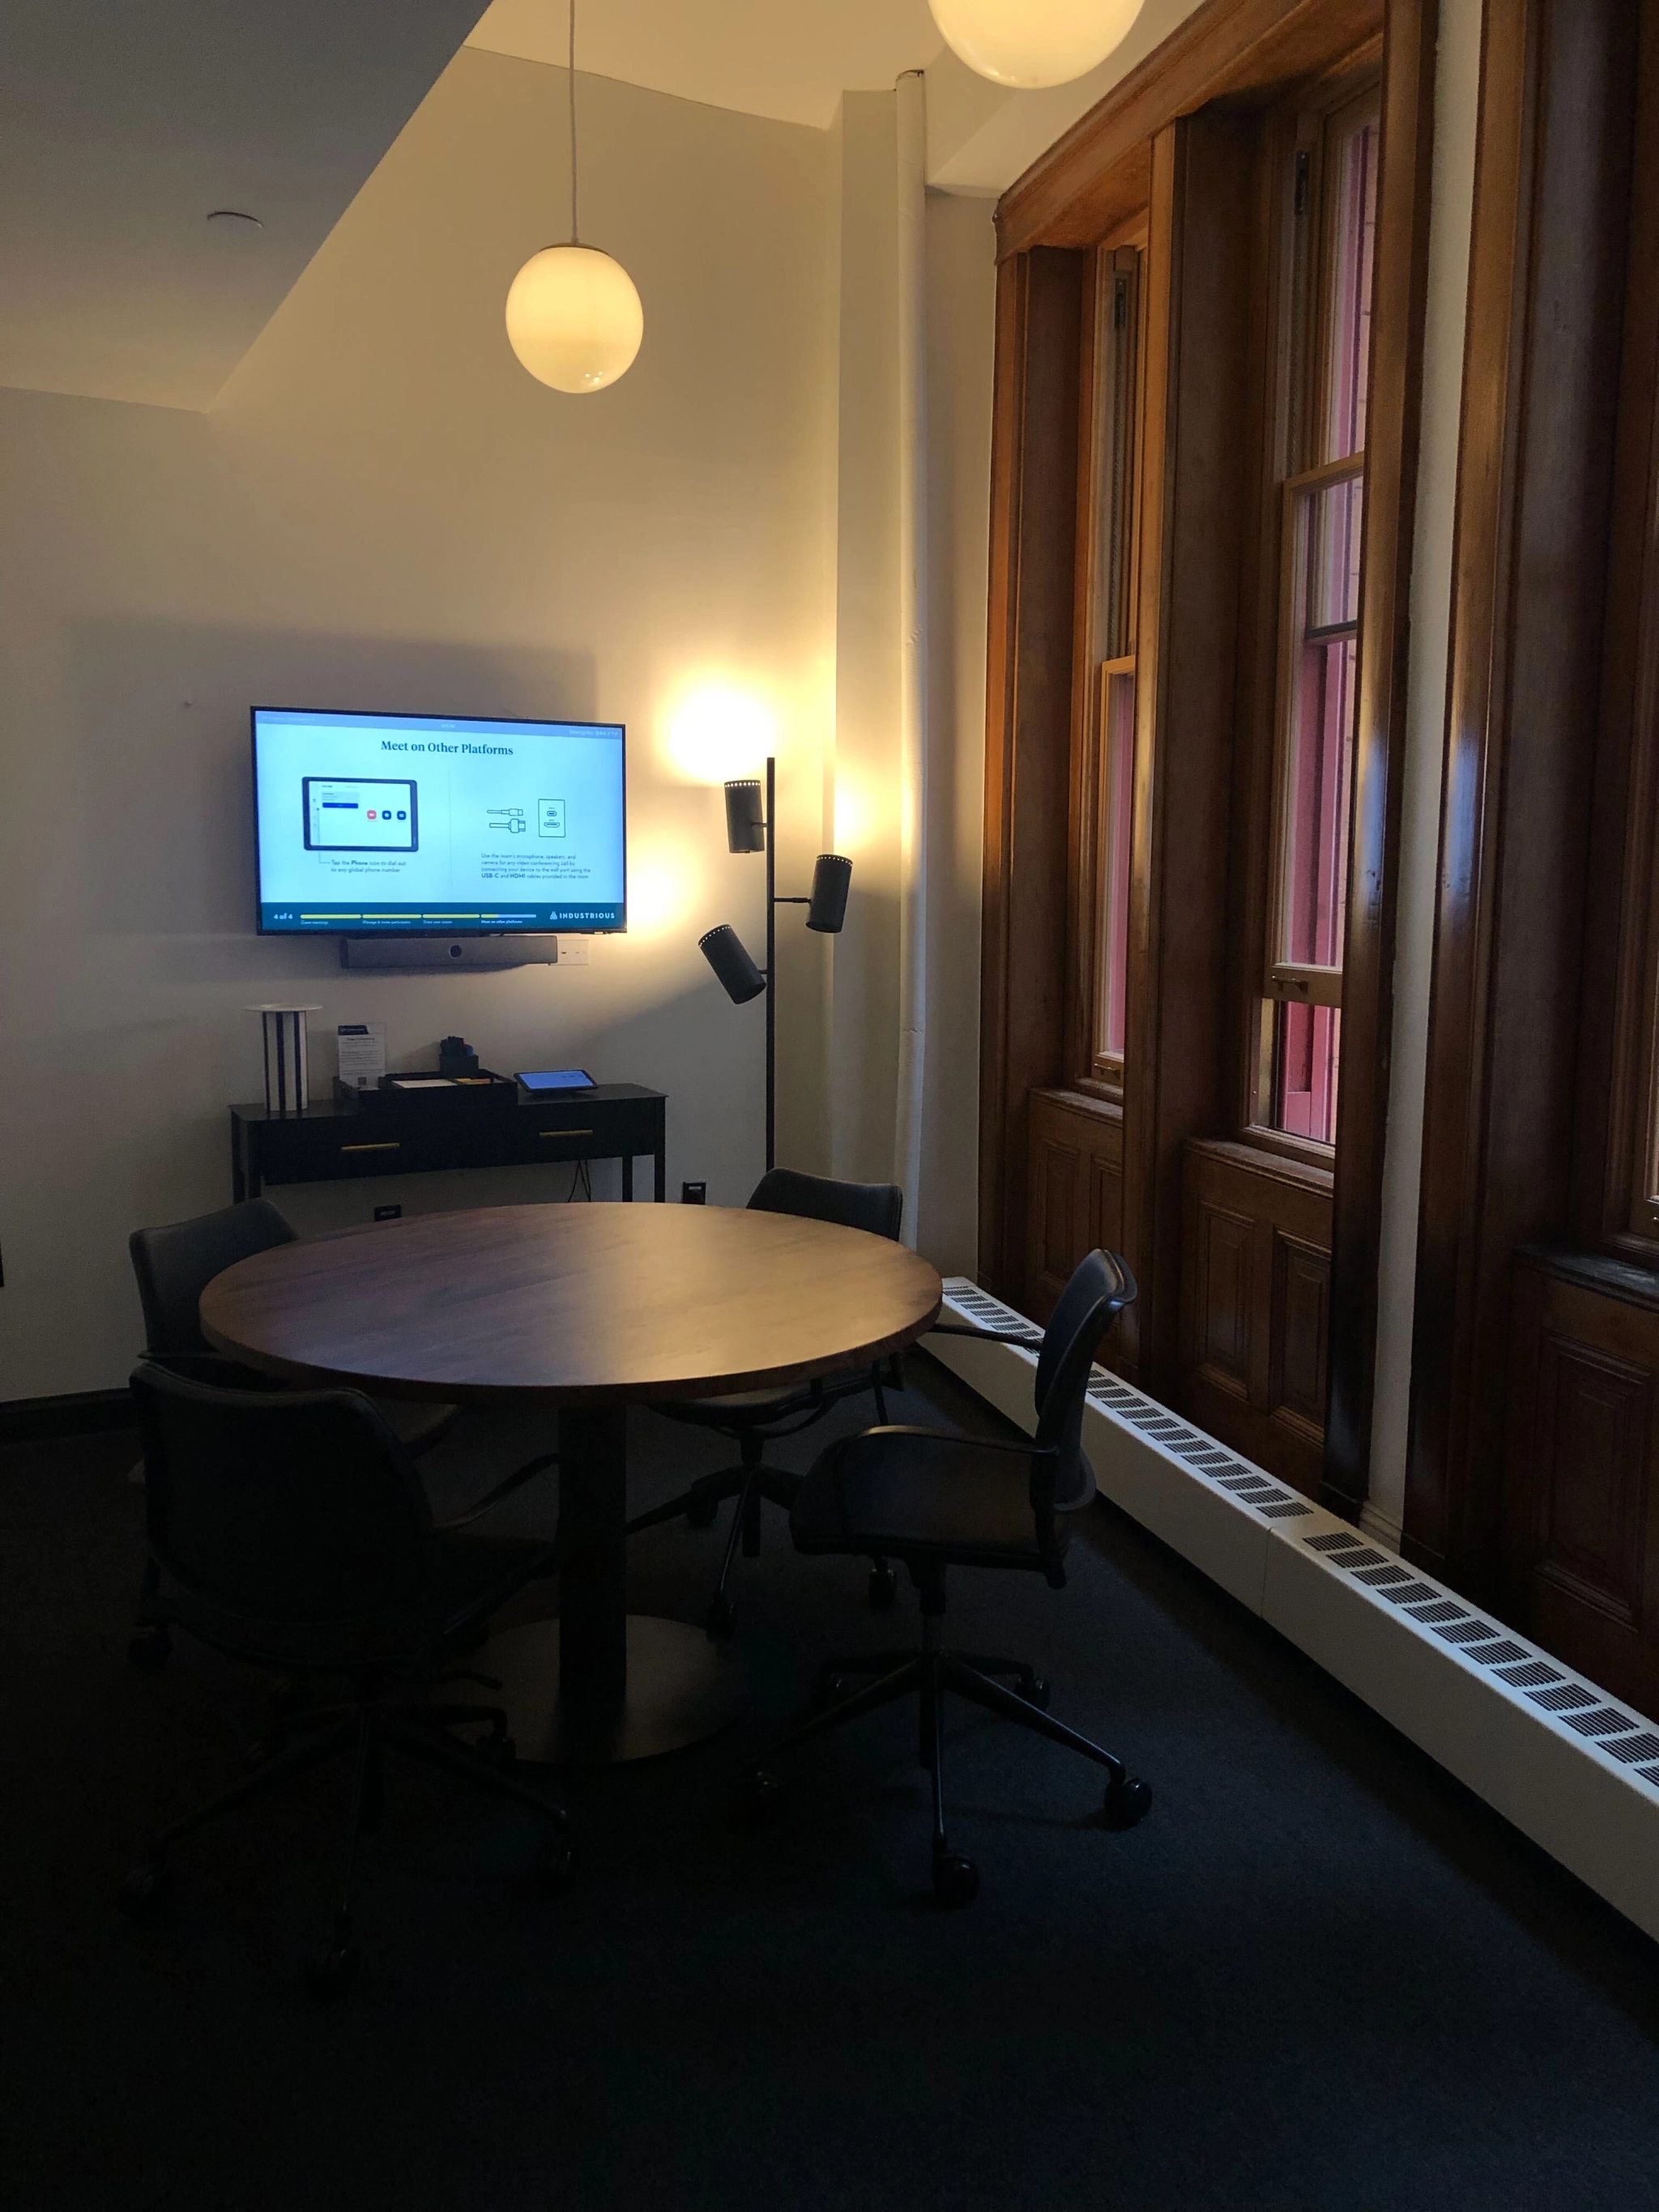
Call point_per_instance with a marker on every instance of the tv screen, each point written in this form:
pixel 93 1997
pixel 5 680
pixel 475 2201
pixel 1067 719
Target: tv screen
pixel 414 824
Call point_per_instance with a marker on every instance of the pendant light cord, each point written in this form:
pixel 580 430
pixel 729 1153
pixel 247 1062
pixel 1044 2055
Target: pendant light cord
pixel 574 240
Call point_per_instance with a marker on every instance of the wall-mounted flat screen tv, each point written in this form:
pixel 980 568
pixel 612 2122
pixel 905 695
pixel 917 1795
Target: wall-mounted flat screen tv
pixel 373 825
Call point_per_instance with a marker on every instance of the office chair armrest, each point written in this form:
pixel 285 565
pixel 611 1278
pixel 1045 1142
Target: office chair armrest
pixel 1028 1447
pixel 1030 1338
pixel 516 1480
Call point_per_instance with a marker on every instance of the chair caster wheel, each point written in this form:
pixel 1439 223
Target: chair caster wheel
pixel 147 1890
pixel 721 1617
pixel 1129 1801
pixel 702 1513
pixel 955 1880
pixel 555 1870
pixel 334 1969
pixel 764 1793
pixel 149 1649
pixel 1036 1692
pixel 883 1586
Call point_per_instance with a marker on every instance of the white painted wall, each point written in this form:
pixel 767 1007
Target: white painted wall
pixel 382 510
pixel 1455 108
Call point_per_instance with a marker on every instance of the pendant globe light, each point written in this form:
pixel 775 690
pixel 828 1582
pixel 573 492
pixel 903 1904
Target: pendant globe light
pixel 573 316
pixel 1034 43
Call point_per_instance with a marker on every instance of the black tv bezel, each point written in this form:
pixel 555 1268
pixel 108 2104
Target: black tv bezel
pixel 430 716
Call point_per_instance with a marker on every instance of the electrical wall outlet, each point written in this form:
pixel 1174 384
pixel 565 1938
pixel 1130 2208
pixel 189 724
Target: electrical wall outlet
pixel 575 952
pixel 388 1213
pixel 693 1193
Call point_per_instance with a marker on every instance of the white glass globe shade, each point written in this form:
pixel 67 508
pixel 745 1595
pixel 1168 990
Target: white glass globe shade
pixel 574 318
pixel 1032 43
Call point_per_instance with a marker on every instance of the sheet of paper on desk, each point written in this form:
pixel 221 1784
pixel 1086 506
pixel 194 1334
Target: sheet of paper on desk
pixel 362 1053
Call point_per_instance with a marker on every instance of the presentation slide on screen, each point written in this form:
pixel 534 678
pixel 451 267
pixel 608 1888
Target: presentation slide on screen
pixel 369 823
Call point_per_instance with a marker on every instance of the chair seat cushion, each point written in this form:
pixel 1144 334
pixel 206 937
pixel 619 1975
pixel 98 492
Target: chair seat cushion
pixel 886 1491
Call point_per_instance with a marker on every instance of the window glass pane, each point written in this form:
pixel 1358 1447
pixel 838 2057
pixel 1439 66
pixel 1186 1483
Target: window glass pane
pixel 1354 169
pixel 1115 444
pixel 1314 799
pixel 1307 1042
pixel 1118 776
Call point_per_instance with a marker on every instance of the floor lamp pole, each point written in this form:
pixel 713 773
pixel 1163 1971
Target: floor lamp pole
pixel 771 962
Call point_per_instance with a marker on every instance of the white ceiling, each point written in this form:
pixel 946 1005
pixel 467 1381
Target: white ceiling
pixel 122 126
pixel 791 59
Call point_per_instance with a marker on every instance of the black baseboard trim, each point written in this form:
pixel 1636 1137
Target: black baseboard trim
pixel 78 1414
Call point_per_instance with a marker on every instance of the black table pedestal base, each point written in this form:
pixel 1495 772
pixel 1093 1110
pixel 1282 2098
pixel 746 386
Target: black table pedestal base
pixel 681 1687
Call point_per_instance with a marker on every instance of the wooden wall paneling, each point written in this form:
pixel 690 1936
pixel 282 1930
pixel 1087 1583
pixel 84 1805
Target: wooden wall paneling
pixel 1581 1501
pixel 1192 499
pixel 1076 1191
pixel 1540 404
pixel 1097 175
pixel 1256 1305
pixel 1399 303
pixel 1027 752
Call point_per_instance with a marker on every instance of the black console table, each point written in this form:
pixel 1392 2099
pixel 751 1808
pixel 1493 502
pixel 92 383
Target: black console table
pixel 338 1144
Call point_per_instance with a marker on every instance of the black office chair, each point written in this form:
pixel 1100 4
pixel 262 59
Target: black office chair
pixel 754 1418
pixel 934 1500
pixel 291 1530
pixel 173 1266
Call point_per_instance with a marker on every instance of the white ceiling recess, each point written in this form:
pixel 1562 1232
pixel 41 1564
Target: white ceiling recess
pixel 790 59
pixel 793 59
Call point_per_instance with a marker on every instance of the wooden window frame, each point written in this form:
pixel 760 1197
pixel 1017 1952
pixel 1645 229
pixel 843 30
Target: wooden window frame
pixel 1089 1070
pixel 1232 59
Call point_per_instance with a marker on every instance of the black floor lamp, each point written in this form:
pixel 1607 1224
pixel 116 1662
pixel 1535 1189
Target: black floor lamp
pixel 749 829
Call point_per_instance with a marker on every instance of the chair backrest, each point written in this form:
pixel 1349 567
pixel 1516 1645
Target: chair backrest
pixel 1100 1288
pixel 877 1207
pixel 175 1265
pixel 289 1525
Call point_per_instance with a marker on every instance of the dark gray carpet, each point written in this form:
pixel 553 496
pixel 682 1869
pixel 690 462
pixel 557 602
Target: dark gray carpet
pixel 1319 1976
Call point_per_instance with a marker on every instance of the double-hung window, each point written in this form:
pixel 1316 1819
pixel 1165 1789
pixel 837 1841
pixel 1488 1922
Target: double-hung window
pixel 1333 186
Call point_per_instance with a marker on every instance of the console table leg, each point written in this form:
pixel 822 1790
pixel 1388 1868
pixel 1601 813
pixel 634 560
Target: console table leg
pixel 628 1176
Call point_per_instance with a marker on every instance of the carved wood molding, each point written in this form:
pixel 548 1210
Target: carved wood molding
pixel 1100 172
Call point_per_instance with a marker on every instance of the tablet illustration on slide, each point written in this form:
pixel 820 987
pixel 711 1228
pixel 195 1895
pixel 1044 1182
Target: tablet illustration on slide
pixel 360 814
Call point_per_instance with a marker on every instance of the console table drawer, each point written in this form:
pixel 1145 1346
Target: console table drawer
pixel 605 1131
pixel 323 1151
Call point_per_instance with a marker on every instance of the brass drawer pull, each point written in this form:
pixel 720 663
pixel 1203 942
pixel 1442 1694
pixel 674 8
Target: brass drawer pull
pixel 566 1132
pixel 389 1145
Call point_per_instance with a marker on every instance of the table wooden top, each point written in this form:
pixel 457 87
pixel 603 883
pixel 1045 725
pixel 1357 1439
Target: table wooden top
pixel 573 1304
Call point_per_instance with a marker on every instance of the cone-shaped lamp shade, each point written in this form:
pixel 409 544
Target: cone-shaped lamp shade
pixel 832 877
pixel 723 948
pixel 1034 42
pixel 745 823
pixel 574 318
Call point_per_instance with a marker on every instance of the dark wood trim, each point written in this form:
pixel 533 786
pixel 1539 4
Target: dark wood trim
pixel 1028 729
pixel 1398 311
pixel 1095 178
pixel 76 1413
pixel 1533 502
pixel 1195 434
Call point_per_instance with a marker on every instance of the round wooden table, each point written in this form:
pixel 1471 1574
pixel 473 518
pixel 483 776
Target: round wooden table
pixel 586 1309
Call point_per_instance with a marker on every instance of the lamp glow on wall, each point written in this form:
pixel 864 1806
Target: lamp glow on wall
pixel 750 830
pixel 573 316
pixel 1034 43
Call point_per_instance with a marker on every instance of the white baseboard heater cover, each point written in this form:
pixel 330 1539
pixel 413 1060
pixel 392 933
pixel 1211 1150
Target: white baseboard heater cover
pixel 1568 1764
